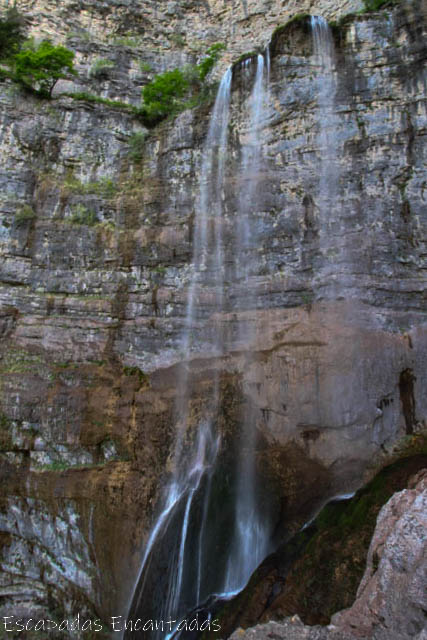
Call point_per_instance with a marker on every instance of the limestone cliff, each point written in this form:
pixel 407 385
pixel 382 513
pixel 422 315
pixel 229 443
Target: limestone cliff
pixel 391 600
pixel 91 314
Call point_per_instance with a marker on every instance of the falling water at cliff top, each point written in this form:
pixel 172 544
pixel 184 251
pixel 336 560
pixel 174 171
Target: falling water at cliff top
pixel 207 262
pixel 194 526
pixel 251 530
pixel 328 149
pixel 323 42
pixel 324 56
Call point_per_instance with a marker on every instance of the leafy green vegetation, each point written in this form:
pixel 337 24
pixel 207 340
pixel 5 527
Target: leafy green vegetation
pixel 39 68
pixel 82 215
pixel 375 5
pixel 104 187
pixel 173 91
pixel 91 97
pixel 11 32
pixel 101 68
pixel 145 67
pixel 137 145
pixel 24 214
pixel 208 63
pixel 163 96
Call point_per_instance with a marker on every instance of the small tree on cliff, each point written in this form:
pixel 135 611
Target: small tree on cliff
pixel 170 92
pixel 162 96
pixel 39 68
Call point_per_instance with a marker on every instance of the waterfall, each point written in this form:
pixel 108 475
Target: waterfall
pixel 324 49
pixel 165 588
pixel 198 547
pixel 324 55
pixel 251 533
pixel 328 144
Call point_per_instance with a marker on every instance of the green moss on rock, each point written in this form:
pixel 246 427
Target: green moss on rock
pixel 317 573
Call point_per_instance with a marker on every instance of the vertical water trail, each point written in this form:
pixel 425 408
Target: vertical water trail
pixel 251 535
pixel 251 158
pixel 191 474
pixel 323 42
pixel 173 577
pixel 324 56
pixel 207 262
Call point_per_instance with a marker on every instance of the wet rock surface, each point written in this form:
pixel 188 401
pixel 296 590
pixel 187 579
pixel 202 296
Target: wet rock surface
pixel 318 571
pixel 390 601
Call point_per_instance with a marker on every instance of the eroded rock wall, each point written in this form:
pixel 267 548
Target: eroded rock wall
pixel 391 600
pixel 91 314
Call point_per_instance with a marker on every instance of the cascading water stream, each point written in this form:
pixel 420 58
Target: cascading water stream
pixel 177 573
pixel 191 475
pixel 324 54
pixel 251 533
pixel 328 143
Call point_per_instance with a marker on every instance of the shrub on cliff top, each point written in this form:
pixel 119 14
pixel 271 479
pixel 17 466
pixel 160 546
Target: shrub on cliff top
pixel 164 95
pixel 212 55
pixel 39 68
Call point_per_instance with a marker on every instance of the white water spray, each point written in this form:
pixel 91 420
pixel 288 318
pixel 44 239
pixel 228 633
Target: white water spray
pixel 251 531
pixel 328 144
pixel 189 472
pixel 185 532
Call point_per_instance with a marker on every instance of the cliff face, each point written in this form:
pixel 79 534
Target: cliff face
pixel 91 314
pixel 390 602
pixel 391 597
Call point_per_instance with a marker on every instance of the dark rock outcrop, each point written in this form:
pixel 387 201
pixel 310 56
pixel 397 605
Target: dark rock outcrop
pixel 391 599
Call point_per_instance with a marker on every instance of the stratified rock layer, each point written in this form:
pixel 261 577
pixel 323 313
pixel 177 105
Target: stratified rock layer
pixel 90 316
